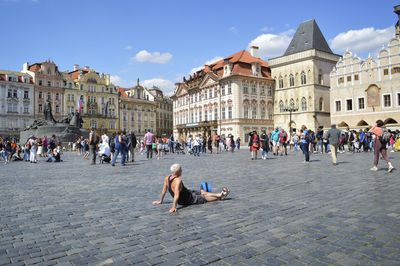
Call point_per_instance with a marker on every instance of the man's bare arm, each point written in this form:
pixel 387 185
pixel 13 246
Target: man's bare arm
pixel 163 192
pixel 176 188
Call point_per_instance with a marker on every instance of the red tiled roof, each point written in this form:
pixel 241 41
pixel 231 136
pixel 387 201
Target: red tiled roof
pixel 75 74
pixel 122 91
pixel 35 67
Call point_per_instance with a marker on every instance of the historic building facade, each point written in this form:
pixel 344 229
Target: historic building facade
pixel 94 96
pixel 302 80
pixel 49 86
pixel 364 91
pixel 137 112
pixel 164 119
pixel 16 102
pixel 231 96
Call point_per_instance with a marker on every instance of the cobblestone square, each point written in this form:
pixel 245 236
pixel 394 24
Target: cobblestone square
pixel 280 211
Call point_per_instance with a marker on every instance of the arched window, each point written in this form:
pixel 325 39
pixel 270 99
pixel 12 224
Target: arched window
pixel 281 107
pixel 291 80
pixel 254 112
pixel 321 104
pixel 48 96
pixel 303 104
pixel 291 103
pixel 303 78
pixel 280 82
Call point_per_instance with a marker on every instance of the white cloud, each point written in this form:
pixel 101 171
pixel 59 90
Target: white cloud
pixel 128 47
pixel 272 45
pixel 363 40
pixel 165 85
pixel 208 62
pixel 118 81
pixel 152 57
pixel 233 30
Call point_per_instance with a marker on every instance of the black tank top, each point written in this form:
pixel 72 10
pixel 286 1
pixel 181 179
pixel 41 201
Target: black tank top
pixel 185 196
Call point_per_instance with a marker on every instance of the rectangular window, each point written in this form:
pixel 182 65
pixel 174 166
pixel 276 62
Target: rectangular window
pixel 254 113
pixel 210 93
pixel 223 112
pixel 58 109
pixel 26 94
pixel 386 72
pixel 349 104
pixel 348 78
pixel 48 83
pixel 262 90
pixel 200 116
pixel 253 88
pixel 70 109
pixel 356 77
pixel 246 112
pixel 230 112
pixel 387 101
pixel 269 91
pixel 40 108
pixel 229 88
pixel 262 112
pixel 245 88
pixel 26 109
pixel 223 90
pixel 361 104
pixel 40 82
pixel 9 93
pixel 341 80
pixel 395 70
pixel 216 114
pixel 338 106
pixel 398 99
pixel 15 93
pixel 215 92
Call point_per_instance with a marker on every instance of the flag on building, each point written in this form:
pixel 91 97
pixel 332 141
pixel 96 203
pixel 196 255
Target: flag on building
pixel 80 104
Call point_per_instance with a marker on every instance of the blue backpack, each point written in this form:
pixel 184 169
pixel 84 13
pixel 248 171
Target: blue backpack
pixel 206 187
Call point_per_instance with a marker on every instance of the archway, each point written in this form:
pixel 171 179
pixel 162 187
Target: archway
pixel 390 121
pixel 362 123
pixel 343 124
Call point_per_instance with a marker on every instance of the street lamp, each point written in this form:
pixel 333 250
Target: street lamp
pixel 290 109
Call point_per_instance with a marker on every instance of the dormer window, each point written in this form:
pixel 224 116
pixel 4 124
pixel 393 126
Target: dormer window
pixel 255 67
pixel 227 68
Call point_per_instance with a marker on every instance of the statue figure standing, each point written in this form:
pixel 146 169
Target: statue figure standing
pixel 48 116
pixel 76 120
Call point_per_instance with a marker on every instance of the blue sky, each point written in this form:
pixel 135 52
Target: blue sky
pixel 160 41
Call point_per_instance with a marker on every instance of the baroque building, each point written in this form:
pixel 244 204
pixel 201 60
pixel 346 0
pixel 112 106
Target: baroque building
pixel 16 102
pixel 164 111
pixel 363 91
pixel 94 96
pixel 49 86
pixel 231 96
pixel 302 80
pixel 137 112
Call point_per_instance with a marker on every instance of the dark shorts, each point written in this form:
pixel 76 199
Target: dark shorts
pixel 198 198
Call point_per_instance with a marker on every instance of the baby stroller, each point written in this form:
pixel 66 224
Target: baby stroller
pixel 104 153
pixel 179 149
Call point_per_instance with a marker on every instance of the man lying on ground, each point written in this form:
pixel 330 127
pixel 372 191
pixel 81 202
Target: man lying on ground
pixel 183 196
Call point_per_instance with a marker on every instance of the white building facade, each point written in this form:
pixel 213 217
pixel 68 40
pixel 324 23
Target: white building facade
pixel 16 102
pixel 230 97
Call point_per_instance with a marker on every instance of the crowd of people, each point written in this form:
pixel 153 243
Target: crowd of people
pixel 31 149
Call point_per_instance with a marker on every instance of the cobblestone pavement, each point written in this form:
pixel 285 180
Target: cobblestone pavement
pixel 280 211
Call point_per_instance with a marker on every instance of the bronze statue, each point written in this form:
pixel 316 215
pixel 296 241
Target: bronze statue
pixel 48 116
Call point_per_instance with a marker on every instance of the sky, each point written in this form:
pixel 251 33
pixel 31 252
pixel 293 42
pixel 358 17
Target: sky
pixel 160 41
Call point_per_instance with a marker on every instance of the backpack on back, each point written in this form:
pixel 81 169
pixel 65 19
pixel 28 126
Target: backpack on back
pixel 386 135
pixel 284 136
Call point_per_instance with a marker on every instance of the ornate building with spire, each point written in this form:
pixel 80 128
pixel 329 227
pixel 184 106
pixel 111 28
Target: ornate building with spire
pixel 365 90
pixel 302 80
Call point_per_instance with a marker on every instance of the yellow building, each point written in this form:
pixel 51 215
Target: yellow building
pixel 95 96
pixel 137 112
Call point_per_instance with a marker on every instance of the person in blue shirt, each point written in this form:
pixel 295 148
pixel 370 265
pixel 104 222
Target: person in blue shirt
pixel 305 143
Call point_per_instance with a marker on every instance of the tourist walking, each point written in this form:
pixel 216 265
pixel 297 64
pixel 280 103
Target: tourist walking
pixel 93 141
pixel 120 147
pixel 254 144
pixel 264 139
pixel 283 139
pixel 196 146
pixel 238 143
pixel 306 139
pixel 209 144
pixel 275 141
pixel 149 139
pixel 380 145
pixel 33 145
pixel 132 142
pixel 333 137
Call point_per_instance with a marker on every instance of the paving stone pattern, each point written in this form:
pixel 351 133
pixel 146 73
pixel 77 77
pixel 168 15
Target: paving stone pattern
pixel 280 211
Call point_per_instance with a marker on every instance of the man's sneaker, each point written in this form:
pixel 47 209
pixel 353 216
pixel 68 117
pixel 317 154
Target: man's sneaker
pixel 390 169
pixel 374 168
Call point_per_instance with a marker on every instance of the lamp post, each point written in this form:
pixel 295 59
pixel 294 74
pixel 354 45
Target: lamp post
pixel 290 109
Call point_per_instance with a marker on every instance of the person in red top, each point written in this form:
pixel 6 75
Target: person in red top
pixel 283 139
pixel 379 147
pixel 254 144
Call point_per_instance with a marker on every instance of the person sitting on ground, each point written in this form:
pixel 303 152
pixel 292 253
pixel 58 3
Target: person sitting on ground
pixel 183 196
pixel 55 156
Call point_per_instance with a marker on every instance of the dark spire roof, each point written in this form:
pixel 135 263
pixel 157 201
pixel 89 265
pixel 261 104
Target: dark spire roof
pixel 308 36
